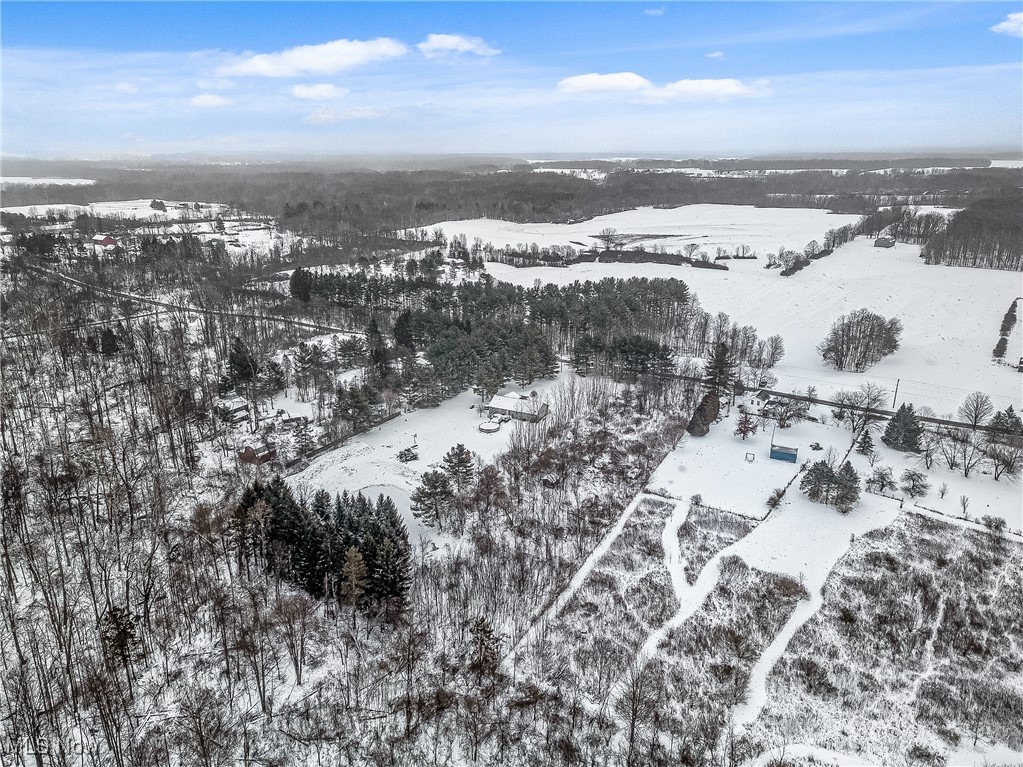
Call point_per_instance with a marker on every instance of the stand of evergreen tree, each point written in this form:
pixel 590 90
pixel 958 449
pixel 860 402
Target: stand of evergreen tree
pixel 1007 422
pixel 822 484
pixel 903 431
pixel 311 545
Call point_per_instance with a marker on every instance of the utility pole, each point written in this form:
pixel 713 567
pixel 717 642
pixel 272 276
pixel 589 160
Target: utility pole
pixel 897 380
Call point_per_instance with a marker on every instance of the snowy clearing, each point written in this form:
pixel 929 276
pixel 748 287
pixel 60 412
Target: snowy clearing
pixel 369 462
pixel 763 229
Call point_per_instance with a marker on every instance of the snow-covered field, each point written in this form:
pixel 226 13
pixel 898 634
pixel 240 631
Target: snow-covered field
pixel 53 181
pixel 140 209
pixel 950 315
pixel 763 229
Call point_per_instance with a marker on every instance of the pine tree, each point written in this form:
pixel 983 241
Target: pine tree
pixel 391 576
pixel 321 504
pixel 379 358
pixel 304 442
pixel 432 500
pixel 903 431
pixel 276 378
pixel 403 330
pixel 108 343
pixel 354 579
pixel 301 284
pixel 847 488
pixel 865 445
pixel 719 371
pixel 746 425
pixel 489 379
pixel 459 466
pixel 1007 422
pixel 241 365
pixel 818 482
pixel 356 405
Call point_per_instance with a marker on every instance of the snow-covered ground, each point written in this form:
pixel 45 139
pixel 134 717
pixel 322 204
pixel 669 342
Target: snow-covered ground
pixel 1007 163
pixel 48 180
pixel 140 209
pixel 370 462
pixel 763 229
pixel 950 315
pixel 716 467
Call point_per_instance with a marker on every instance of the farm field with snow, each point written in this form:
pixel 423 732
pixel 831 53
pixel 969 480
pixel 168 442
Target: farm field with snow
pixel 950 315
pixel 710 226
pixel 139 209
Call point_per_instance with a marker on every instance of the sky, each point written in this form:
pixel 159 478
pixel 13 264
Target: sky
pixel 97 80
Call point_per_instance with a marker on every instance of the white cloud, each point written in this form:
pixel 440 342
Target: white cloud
pixel 618 82
pixel 654 11
pixel 210 100
pixel 716 55
pixel 126 88
pixel 325 59
pixel 319 92
pixel 328 116
pixel 710 90
pixel 688 90
pixel 439 45
pixel 1013 25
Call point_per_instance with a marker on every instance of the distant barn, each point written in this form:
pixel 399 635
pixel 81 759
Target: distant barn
pixel 104 241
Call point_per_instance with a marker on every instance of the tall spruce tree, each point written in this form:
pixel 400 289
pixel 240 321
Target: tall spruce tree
pixel 818 482
pixel 432 500
pixel 847 488
pixel 903 431
pixel 354 579
pixel 241 365
pixel 865 444
pixel 719 371
pixel 459 466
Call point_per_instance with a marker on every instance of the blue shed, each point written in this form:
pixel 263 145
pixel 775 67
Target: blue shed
pixel 782 453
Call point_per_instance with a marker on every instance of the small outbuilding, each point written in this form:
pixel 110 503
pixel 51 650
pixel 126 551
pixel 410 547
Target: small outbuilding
pixel 257 455
pixel 782 453
pixel 884 242
pixel 522 407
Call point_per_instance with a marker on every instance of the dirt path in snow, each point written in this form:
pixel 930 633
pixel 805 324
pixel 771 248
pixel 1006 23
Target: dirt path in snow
pixel 508 662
